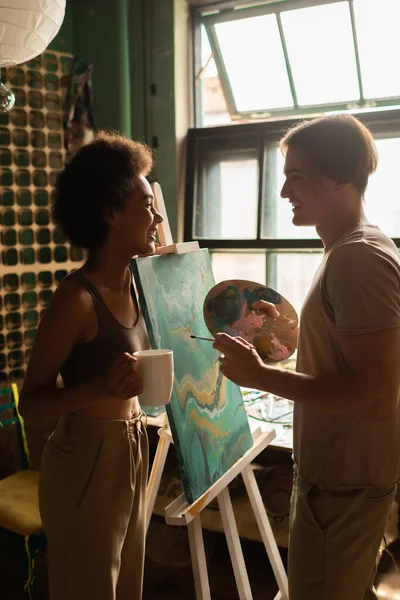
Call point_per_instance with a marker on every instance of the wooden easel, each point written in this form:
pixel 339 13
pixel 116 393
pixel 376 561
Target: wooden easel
pixel 157 468
pixel 180 512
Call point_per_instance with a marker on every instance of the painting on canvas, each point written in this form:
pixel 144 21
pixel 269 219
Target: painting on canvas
pixel 206 414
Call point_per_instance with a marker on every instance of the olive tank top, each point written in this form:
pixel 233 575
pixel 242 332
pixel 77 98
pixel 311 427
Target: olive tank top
pixel 112 339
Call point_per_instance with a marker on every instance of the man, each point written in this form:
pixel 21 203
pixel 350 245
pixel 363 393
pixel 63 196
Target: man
pixel 346 386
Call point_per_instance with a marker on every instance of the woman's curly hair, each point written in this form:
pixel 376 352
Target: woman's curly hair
pixel 100 175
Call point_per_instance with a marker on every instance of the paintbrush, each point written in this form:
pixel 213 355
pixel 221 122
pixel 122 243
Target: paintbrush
pixel 196 337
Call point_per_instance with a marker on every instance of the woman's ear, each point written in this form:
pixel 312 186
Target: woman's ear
pixel 109 216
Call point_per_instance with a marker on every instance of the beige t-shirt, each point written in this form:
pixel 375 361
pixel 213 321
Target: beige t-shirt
pixel 356 290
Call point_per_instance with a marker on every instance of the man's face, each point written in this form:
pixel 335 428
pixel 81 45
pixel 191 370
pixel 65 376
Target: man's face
pixel 311 196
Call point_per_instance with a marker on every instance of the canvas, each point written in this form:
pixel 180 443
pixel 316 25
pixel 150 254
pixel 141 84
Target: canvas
pixel 206 414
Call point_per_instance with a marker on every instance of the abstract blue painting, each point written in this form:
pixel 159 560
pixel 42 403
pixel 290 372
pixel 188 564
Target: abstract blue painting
pixel 206 414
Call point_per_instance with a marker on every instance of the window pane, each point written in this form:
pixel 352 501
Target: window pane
pixel 254 60
pixel 382 198
pixel 277 211
pixel 227 196
pixel 377 25
pixel 291 274
pixel 321 53
pixel 239 196
pixel 235 265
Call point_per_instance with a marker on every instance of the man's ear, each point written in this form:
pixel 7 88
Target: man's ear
pixel 341 185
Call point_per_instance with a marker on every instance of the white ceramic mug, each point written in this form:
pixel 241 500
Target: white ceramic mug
pixel 156 368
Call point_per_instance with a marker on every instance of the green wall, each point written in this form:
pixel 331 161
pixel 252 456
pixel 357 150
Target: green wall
pixel 64 40
pixel 161 106
pixel 130 44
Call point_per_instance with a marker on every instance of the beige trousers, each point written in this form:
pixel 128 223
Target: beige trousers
pixel 92 495
pixel 335 534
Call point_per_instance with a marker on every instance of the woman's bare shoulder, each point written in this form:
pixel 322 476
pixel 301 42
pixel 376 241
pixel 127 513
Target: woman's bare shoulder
pixel 70 298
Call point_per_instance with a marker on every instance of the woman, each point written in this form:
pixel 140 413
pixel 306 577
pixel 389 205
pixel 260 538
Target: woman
pixel 94 467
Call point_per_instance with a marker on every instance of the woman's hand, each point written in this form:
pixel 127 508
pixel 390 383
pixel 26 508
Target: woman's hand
pixel 122 379
pixel 239 360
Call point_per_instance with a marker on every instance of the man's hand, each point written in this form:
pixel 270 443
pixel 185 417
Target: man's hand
pixel 267 307
pixel 286 322
pixel 239 360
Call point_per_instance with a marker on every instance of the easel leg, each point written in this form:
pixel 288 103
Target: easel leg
pixel 235 548
pixel 155 476
pixel 200 574
pixel 266 532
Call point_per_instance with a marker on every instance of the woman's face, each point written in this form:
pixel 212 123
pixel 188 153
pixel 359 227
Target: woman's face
pixel 135 225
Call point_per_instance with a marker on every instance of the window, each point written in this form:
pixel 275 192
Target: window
pixel 291 57
pixel 383 189
pixel 262 66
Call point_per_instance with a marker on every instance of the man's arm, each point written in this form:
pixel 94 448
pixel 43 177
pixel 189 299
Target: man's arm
pixel 369 389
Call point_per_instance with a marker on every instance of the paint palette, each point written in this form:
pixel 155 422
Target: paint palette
pixel 227 309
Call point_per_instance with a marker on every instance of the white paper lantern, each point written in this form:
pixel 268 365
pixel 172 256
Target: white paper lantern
pixel 27 27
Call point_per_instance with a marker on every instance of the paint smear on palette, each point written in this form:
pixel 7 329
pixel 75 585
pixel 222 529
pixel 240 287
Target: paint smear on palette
pixel 227 309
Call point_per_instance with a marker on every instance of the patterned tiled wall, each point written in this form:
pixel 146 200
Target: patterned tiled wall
pixel 34 255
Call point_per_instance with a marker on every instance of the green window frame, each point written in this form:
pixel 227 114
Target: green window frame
pixel 220 14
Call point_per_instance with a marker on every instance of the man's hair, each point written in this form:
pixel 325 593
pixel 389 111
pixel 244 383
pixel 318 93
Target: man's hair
pixel 100 175
pixel 339 147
